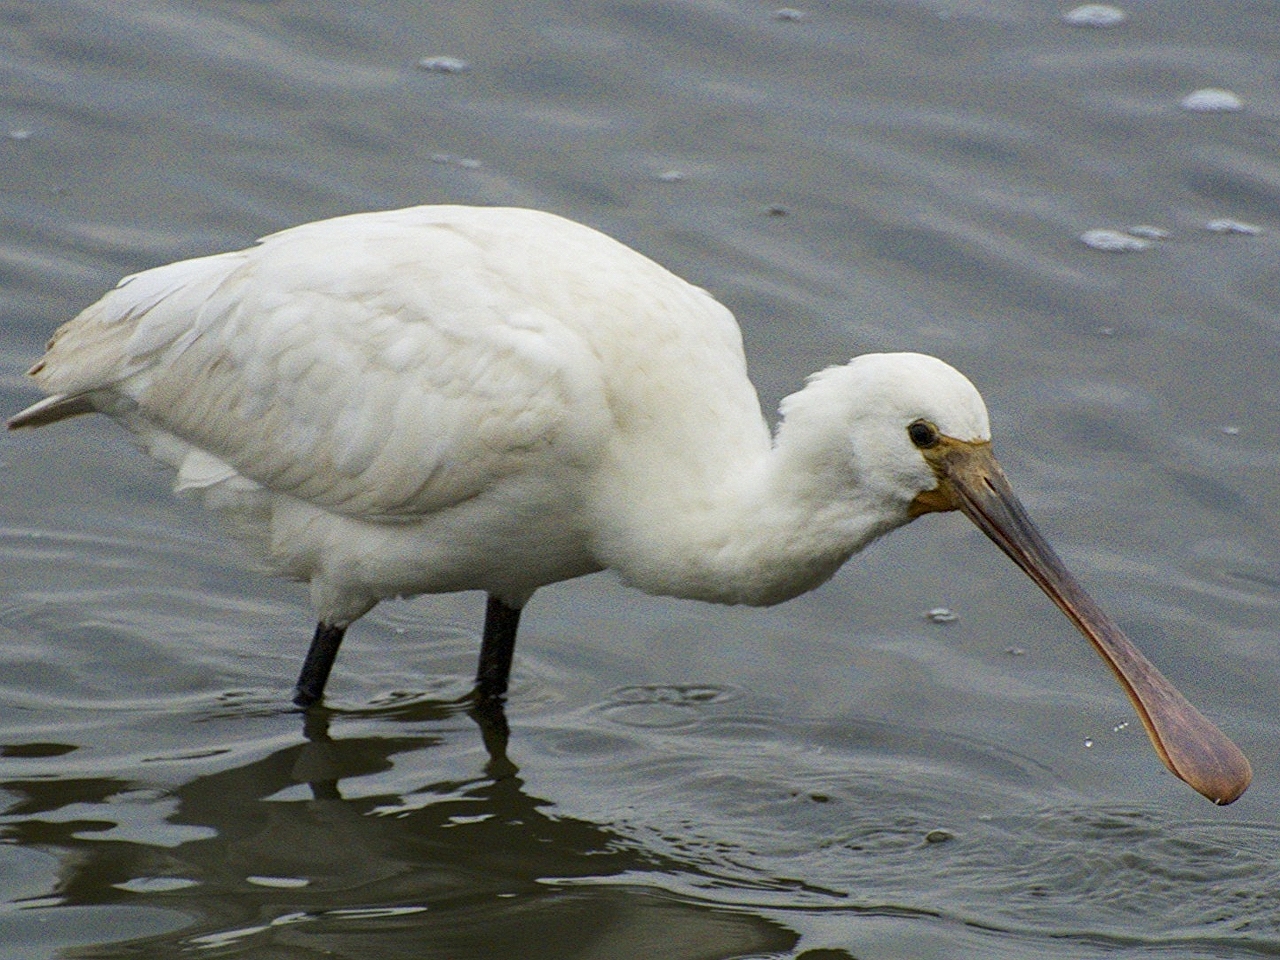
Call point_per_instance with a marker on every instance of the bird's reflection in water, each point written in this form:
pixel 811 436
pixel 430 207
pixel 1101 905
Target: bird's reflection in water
pixel 295 852
pixel 319 764
pixel 491 717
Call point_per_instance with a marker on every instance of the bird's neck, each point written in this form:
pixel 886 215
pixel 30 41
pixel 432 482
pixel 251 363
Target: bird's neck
pixel 770 527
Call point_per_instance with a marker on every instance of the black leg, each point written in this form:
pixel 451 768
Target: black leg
pixel 315 669
pixel 497 648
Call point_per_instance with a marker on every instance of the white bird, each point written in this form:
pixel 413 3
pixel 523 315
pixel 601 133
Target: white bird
pixel 450 398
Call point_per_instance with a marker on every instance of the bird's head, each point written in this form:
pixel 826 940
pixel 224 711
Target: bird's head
pixel 919 442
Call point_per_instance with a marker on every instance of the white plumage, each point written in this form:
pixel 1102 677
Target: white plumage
pixel 451 398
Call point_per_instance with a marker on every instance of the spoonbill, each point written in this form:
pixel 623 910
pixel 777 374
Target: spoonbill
pixel 452 398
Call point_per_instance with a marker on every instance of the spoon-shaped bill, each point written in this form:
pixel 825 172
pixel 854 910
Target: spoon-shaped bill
pixel 1191 747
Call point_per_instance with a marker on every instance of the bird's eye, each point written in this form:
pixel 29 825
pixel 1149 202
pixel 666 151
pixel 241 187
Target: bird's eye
pixel 923 434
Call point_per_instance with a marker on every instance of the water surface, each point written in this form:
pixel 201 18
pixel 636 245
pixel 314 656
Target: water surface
pixel 836 777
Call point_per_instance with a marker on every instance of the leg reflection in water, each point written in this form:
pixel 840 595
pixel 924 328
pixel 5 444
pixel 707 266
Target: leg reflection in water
pixel 318 764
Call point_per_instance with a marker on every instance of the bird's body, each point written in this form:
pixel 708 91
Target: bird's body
pixel 451 398
pixel 448 398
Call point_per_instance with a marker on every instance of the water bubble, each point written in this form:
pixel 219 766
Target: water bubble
pixel 1015 651
pixel 1211 100
pixel 1227 225
pixel 1113 241
pixel 444 64
pixel 1088 742
pixel 1095 15
pixel 20 133
pixel 789 14
pixel 279 883
pixel 1120 726
pixel 155 884
pixel 1149 232
pixel 942 615
pixel 671 176
pixel 1231 431
pixel 466 163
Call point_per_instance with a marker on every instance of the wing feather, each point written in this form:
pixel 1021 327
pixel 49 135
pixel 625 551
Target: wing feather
pixel 387 366
pixel 379 369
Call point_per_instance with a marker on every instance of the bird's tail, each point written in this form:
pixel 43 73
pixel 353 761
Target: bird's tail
pixel 60 406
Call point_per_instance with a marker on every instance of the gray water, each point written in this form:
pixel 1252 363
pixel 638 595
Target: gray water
pixel 837 777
